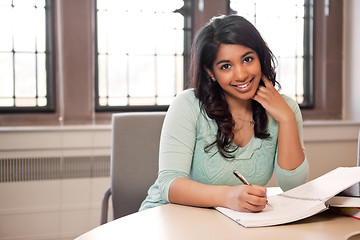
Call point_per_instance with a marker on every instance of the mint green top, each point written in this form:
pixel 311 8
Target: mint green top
pixel 187 130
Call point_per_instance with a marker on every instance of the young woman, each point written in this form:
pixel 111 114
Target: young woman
pixel 232 119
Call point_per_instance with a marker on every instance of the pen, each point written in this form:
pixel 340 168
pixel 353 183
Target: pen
pixel 244 181
pixel 241 178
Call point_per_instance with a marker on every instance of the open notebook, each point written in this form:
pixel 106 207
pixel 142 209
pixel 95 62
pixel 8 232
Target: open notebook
pixel 300 202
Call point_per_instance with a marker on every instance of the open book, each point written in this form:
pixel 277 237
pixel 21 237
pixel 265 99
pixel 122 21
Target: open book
pixel 344 201
pixel 300 202
pixel 349 206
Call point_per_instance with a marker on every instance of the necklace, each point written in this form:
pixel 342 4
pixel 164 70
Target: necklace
pixel 251 122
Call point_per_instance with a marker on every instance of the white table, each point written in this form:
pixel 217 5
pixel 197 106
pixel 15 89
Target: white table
pixel 181 222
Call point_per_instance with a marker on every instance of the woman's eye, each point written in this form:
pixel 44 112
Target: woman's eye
pixel 248 59
pixel 225 66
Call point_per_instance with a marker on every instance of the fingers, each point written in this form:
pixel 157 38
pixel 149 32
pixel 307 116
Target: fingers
pixel 266 81
pixel 249 207
pixel 273 102
pixel 268 85
pixel 256 190
pixel 255 200
pixel 267 95
pixel 246 198
pixel 264 95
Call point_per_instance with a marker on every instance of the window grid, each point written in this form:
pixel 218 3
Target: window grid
pixel 24 54
pixel 276 21
pixel 151 86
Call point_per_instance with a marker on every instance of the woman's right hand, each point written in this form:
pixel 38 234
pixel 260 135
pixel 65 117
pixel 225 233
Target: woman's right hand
pixel 246 198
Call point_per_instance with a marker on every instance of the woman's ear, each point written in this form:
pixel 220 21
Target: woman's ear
pixel 210 73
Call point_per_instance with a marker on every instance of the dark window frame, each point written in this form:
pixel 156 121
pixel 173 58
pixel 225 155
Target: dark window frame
pixel 50 72
pixel 308 70
pixel 327 61
pixel 186 11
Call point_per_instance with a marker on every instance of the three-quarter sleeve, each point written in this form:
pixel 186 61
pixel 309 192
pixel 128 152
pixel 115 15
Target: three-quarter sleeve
pixel 177 141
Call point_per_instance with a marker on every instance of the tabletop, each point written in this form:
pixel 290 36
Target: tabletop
pixel 177 222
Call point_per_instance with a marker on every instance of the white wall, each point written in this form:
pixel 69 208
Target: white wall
pixel 351 77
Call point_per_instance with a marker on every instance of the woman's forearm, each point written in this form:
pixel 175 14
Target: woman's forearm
pixel 290 152
pixel 187 192
pixel 243 198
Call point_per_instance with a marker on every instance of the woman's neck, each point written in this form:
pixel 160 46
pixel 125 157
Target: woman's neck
pixel 240 108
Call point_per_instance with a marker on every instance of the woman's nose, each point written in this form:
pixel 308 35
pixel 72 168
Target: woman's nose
pixel 240 73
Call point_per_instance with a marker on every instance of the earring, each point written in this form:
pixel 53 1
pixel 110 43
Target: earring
pixel 212 77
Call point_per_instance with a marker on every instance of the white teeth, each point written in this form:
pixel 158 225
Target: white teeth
pixel 244 85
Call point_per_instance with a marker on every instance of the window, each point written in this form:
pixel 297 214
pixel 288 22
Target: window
pixel 287 28
pixel 142 48
pixel 25 83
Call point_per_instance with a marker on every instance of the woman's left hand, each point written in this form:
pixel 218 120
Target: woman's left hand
pixel 273 102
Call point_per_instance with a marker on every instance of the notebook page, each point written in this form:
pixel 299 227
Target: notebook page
pixel 326 186
pixel 283 210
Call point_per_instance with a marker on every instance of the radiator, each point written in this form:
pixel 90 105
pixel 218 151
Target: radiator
pixel 50 168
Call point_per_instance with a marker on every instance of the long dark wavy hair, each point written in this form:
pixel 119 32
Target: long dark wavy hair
pixel 232 29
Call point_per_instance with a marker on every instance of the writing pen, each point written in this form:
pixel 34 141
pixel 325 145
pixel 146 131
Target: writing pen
pixel 244 181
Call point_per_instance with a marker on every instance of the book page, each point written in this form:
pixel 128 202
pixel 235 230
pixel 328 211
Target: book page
pixel 341 201
pixel 326 186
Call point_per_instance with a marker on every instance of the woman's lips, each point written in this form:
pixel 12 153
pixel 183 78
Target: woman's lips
pixel 244 87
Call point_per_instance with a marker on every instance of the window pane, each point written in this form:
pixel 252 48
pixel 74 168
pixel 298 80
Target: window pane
pixel 179 73
pixel 5 28
pixel 117 70
pixel 25 75
pixel 281 23
pixel 140 101
pixel 166 79
pixel 24 28
pixel 23 3
pixel 40 29
pixel 142 76
pixel 300 97
pixel 7 102
pixel 40 3
pixel 41 75
pixel 42 101
pixel 6 75
pixel 102 23
pixel 140 45
pixel 5 3
pixel 287 70
pixel 25 102
pixel 102 70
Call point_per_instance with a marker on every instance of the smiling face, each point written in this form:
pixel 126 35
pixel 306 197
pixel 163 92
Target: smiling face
pixel 237 69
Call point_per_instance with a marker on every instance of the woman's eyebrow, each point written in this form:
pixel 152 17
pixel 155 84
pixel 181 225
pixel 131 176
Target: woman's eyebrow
pixel 222 61
pixel 247 53
pixel 242 56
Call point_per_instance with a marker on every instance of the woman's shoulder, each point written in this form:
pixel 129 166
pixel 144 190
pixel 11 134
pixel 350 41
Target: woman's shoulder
pixel 187 94
pixel 287 98
pixel 291 102
pixel 186 97
pixel 186 101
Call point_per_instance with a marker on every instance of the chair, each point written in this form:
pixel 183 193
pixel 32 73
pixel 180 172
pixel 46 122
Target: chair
pixel 134 161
